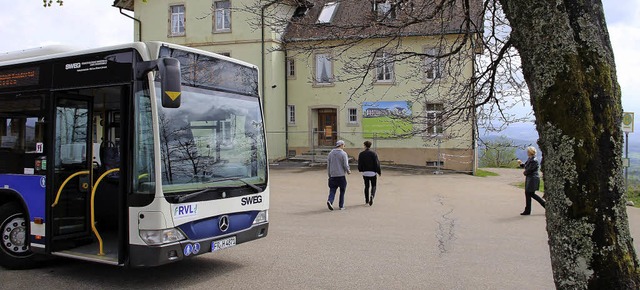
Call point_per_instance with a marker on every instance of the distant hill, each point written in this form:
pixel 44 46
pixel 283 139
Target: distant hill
pixel 525 134
pixel 522 135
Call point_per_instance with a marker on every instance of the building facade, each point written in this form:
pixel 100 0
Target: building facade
pixel 339 70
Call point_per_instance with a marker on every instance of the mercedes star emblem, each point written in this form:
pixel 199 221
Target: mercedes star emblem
pixel 223 223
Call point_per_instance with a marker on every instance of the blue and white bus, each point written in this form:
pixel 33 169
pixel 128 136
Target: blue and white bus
pixel 134 155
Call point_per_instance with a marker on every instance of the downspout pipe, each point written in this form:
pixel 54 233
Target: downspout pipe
pixel 286 107
pixel 136 20
pixel 262 60
pixel 262 76
pixel 474 110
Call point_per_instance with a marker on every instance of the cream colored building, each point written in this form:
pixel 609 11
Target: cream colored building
pixel 313 93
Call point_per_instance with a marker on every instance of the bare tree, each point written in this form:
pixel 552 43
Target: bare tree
pixel 179 150
pixel 454 27
pixel 47 3
pixel 166 149
pixel 458 43
pixel 500 152
pixel 555 53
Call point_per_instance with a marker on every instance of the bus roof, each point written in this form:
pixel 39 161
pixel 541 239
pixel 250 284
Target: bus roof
pixel 34 52
pixel 59 51
pixel 148 50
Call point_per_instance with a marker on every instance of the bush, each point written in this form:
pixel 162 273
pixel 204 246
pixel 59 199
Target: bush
pixel 499 153
pixel 633 192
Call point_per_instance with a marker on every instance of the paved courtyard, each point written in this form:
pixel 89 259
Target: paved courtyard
pixel 424 231
pixel 451 231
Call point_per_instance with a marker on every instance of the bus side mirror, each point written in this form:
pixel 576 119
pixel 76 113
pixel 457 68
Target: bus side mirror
pixel 169 69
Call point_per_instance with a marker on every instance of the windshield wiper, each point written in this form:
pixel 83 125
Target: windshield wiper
pixel 194 194
pixel 256 188
pixel 207 189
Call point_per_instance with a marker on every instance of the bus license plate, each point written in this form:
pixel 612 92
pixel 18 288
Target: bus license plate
pixel 223 244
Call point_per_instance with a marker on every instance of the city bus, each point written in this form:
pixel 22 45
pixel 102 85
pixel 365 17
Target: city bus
pixel 133 155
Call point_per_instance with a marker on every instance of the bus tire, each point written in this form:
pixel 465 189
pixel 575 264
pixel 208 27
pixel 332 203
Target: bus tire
pixel 15 252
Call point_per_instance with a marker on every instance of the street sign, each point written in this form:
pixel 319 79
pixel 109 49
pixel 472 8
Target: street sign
pixel 627 122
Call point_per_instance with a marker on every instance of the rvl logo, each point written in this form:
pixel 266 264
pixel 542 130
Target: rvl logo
pixel 185 210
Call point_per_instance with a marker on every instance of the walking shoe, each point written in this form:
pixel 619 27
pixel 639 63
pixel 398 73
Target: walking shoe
pixel 371 201
pixel 329 206
pixel 342 208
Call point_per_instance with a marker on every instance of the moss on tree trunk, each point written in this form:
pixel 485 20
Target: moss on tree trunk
pixel 568 65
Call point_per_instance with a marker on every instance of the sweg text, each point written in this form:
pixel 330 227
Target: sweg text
pixel 247 200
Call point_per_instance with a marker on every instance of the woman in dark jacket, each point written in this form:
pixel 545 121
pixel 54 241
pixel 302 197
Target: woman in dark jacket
pixel 369 165
pixel 532 180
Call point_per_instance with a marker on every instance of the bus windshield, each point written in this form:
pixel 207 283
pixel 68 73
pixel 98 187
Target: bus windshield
pixel 214 137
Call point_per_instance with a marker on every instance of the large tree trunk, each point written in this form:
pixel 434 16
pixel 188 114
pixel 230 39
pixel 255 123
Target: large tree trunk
pixel 569 67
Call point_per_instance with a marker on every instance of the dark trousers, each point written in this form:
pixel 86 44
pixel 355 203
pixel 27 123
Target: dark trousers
pixel 528 195
pixel 334 184
pixel 369 181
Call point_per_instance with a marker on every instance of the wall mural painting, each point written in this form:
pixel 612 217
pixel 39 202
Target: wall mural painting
pixel 387 119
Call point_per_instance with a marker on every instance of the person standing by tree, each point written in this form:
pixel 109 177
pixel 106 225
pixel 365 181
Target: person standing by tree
pixel 337 166
pixel 532 180
pixel 369 165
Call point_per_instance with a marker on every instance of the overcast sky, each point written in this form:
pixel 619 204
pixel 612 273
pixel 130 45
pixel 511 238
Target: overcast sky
pixel 93 23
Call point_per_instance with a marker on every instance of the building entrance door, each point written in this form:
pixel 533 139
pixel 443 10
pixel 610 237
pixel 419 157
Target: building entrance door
pixel 327 127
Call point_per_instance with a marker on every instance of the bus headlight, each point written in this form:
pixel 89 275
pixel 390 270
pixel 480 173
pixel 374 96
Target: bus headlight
pixel 261 217
pixel 159 237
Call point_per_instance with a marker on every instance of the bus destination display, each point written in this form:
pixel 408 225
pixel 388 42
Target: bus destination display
pixel 19 77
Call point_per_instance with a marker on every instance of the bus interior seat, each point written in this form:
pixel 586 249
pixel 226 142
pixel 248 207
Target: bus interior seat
pixel 109 159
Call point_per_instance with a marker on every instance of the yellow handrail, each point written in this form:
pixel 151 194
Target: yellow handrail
pixel 93 217
pixel 65 183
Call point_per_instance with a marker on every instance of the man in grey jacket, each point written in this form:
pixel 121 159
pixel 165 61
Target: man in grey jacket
pixel 337 166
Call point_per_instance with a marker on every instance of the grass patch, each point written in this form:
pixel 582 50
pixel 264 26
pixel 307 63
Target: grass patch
pixel 635 198
pixel 541 189
pixel 484 173
pixel 633 194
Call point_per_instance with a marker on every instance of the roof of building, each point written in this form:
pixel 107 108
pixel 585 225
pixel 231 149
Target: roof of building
pixel 365 19
pixel 360 19
pixel 124 4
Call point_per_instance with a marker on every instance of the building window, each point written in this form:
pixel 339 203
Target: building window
pixel 432 65
pixel 300 11
pixel 177 20
pixel 384 67
pixel 291 68
pixel 433 113
pixel 327 13
pixel 291 114
pixel 384 9
pixel 353 115
pixel 324 69
pixel 222 21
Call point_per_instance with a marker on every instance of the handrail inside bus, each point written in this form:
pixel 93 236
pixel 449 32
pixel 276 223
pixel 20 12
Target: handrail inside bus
pixel 65 183
pixel 93 216
pixel 93 194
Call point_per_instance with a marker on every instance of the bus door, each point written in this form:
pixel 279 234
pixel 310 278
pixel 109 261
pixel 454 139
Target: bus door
pixel 86 194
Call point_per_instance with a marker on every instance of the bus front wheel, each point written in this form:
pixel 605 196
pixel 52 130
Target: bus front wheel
pixel 14 240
